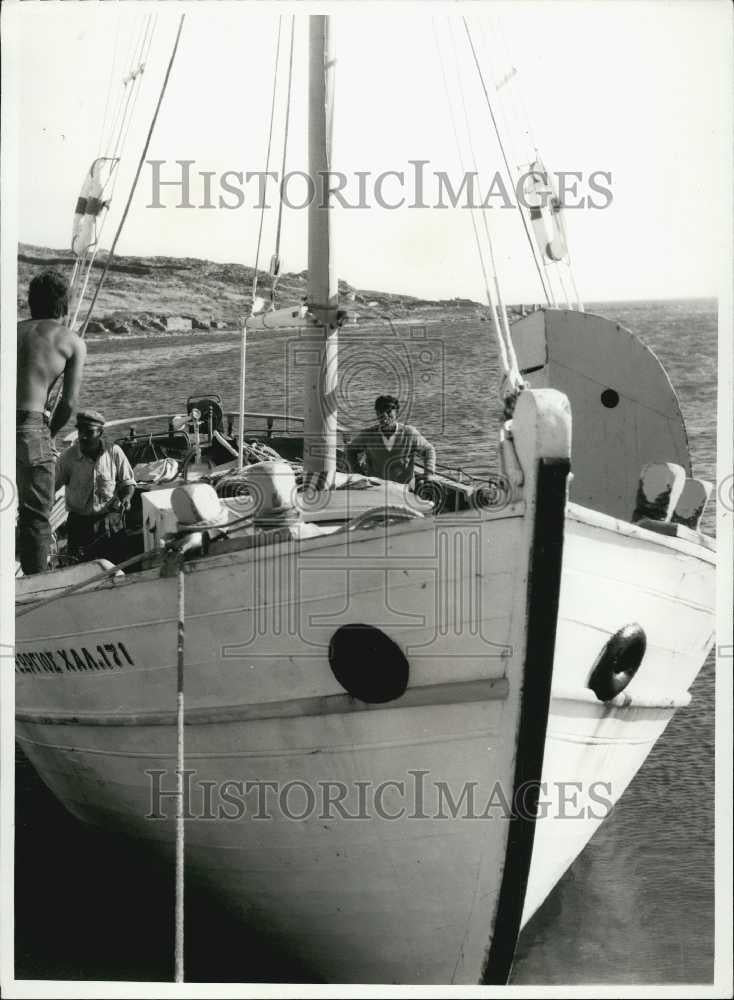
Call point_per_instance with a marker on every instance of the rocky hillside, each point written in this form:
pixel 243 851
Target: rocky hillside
pixel 159 294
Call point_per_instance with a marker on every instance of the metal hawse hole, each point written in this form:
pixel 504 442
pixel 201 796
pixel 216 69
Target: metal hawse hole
pixel 610 398
pixel 618 662
pixel 368 664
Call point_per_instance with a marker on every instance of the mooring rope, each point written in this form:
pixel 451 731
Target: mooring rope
pixel 180 761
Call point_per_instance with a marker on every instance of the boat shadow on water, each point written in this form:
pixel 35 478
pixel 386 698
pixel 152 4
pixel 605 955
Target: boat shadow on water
pixel 90 905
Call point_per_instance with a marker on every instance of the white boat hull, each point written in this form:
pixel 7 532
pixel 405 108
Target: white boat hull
pixel 406 893
pixel 423 879
pixel 614 574
pixel 367 899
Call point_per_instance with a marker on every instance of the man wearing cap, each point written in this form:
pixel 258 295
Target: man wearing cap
pixel 99 482
pixel 388 449
pixel 47 350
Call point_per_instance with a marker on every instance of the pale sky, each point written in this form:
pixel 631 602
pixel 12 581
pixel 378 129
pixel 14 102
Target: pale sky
pixel 638 89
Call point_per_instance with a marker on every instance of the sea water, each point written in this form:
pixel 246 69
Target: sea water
pixel 638 903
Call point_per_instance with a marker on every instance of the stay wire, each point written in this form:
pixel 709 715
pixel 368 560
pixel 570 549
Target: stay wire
pixel 133 79
pixel 285 153
pixel 514 90
pixel 114 173
pixel 504 154
pixel 121 101
pixel 502 311
pixel 517 97
pixel 134 184
pixel 490 300
pixel 267 158
pixel 113 64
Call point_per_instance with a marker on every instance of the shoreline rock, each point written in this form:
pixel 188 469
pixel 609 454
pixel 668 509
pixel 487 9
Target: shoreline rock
pixel 157 295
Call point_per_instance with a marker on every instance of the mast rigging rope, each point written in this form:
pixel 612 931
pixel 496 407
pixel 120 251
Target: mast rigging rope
pixel 513 371
pixel 267 159
pixel 87 257
pixel 113 65
pixel 281 191
pixel 134 184
pixel 54 392
pixel 504 154
pixel 514 95
pixel 511 376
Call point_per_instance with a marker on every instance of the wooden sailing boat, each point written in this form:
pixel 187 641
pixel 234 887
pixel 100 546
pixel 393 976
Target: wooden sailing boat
pixel 456 669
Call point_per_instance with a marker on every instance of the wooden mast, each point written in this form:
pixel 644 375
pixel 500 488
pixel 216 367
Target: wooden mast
pixel 320 418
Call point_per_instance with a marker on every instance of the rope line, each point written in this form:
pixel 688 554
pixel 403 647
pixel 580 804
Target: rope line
pixel 134 184
pixel 267 159
pixel 502 150
pixel 513 93
pixel 113 65
pixel 512 371
pixel 85 262
pixel 504 355
pixel 281 192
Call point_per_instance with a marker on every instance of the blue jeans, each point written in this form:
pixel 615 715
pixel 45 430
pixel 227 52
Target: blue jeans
pixel 35 473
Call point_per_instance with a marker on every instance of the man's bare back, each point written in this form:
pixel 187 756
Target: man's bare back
pixel 46 349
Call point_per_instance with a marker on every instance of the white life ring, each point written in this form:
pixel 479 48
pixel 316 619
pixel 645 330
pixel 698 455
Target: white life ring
pixel 546 217
pixel 90 204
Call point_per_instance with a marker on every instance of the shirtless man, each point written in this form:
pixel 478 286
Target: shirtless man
pixel 46 349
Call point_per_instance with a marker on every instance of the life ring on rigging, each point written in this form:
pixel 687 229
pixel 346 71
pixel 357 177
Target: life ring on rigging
pixel 546 214
pixel 90 205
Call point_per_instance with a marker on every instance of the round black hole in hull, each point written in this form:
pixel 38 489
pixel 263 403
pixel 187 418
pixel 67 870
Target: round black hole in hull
pixel 610 398
pixel 368 664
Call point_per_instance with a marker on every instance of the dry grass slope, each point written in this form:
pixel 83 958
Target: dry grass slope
pixel 145 294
